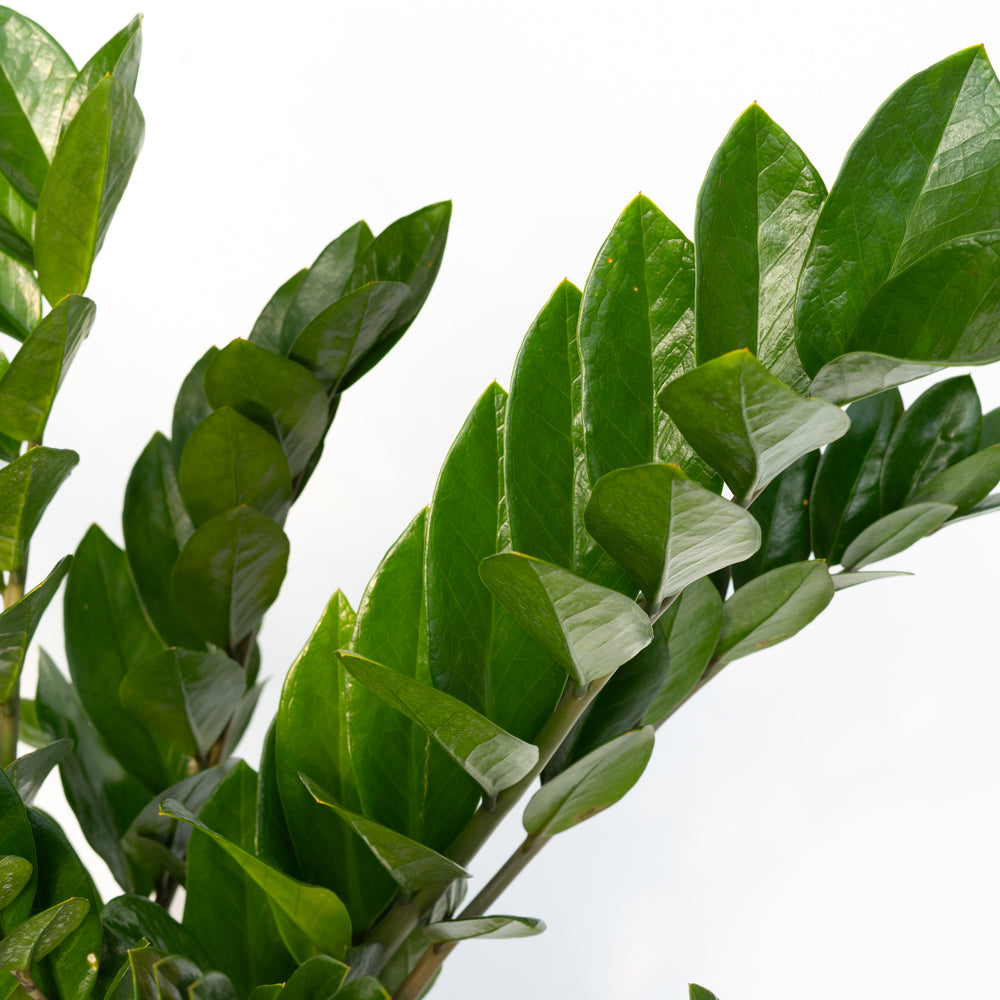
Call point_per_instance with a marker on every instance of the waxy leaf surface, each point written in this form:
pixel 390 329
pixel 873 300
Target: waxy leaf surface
pixel 895 532
pixel 29 771
pixel 15 873
pixel 20 299
pixel 37 936
pixel 16 840
pixel 496 927
pixel 965 483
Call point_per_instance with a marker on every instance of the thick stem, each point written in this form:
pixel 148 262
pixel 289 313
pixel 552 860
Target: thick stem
pixel 28 984
pixel 11 708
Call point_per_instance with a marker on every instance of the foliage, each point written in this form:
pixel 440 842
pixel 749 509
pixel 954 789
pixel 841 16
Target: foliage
pixel 672 483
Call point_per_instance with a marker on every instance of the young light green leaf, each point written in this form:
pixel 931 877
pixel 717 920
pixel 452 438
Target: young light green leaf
pixel 666 530
pixel 20 299
pixel 746 423
pixel 414 866
pixel 589 786
pixel 17 225
pixel 589 630
pixel 229 573
pixel 493 757
pixel 38 935
pixel 495 927
pixel 83 187
pixel 317 979
pixel 699 993
pixel 965 483
pixel 15 873
pixel 310 919
pixel 895 532
pixel 756 211
pixel 29 771
pixel 27 485
pixel 772 608
pixel 29 386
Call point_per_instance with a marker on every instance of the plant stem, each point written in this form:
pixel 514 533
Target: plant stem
pixel 28 984
pixel 10 709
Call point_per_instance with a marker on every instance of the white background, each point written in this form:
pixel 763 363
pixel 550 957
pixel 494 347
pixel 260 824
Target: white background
pixel 822 820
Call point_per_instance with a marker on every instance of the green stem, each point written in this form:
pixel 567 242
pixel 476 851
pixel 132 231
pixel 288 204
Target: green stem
pixel 10 709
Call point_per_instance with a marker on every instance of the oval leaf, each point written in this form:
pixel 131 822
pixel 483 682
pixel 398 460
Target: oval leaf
pixel 484 927
pixel 895 532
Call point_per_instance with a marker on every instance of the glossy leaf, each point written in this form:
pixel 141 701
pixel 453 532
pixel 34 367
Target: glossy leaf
pixel 756 211
pixel 107 635
pixel 30 770
pixel 20 299
pixel 772 608
pixel 155 525
pixel 84 186
pixel 843 579
pixel 895 532
pixel 29 386
pixel 747 424
pixel 476 650
pixel 326 281
pixel 279 395
pixel 37 936
pixel 853 376
pixel 18 623
pixel 17 224
pixel 666 530
pixel 316 979
pixel 493 757
pixel 134 918
pixel 311 920
pixel 939 429
pixel 588 630
pixel 699 993
pixel 15 873
pixel 229 573
pixel 16 840
pixel 191 407
pixel 266 330
pixel 27 486
pixel 212 986
pixel 273 840
pixel 362 988
pixel 118 57
pixel 589 786
pixel 845 493
pixel 412 865
pixel 965 483
pixel 229 461
pixel 186 696
pixel 484 927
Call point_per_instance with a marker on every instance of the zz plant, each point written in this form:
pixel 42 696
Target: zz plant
pixel 672 483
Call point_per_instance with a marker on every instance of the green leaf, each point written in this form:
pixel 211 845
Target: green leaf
pixel 940 428
pixel 17 225
pixel 191 407
pixel 16 839
pixel 279 395
pixel 84 186
pixel 27 486
pixel 155 525
pixel 413 865
pixel 30 730
pixel 589 786
pixel 699 993
pixel 965 483
pixel 30 770
pixel 843 579
pixel 856 375
pixel 15 873
pixel 134 918
pixel 362 988
pixel 772 608
pixel 666 530
pixel 273 842
pixel 484 927
pixel 20 299
pixel 340 338
pixel 29 386
pixel 747 424
pixel 756 211
pixel 845 493
pixel 476 650
pixel 230 461
pixel 492 756
pixel 36 937
pixel 321 286
pixel 589 630
pixel 212 986
pixel 107 634
pixel 229 573
pixel 35 76
pixel 102 795
pixel 311 920
pixel 118 57
pixel 18 624
pixel 895 532
pixel 175 975
pixel 266 330
pixel 926 167
pixel 317 979
pixel 782 511
pixel 185 696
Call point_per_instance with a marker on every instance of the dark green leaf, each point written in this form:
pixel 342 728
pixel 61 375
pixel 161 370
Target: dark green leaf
pixel 20 299
pixel 18 624
pixel 965 483
pixel 589 786
pixel 940 428
pixel 27 486
pixel 772 608
pixel 317 979
pixel 990 431
pixel 107 634
pixel 134 918
pixel 185 696
pixel 15 873
pixel 266 331
pixel 588 630
pixel 699 993
pixel 229 573
pixel 747 424
pixel 412 865
pixel 118 57
pixel 484 927
pixel 273 842
pixel 666 530
pixel 756 211
pixel 174 976
pixel 845 493
pixel 16 840
pixel 84 186
pixel 156 525
pixel 492 756
pixel 230 461
pixel 267 992
pixel 36 937
pixel 895 532
pixel 362 988
pixel 279 395
pixel 191 407
pixel 30 770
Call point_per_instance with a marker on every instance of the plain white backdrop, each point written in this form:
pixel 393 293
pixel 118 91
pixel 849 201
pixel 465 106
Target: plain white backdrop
pixel 822 820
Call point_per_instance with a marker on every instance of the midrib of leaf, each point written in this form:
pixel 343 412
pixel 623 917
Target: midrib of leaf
pixel 929 454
